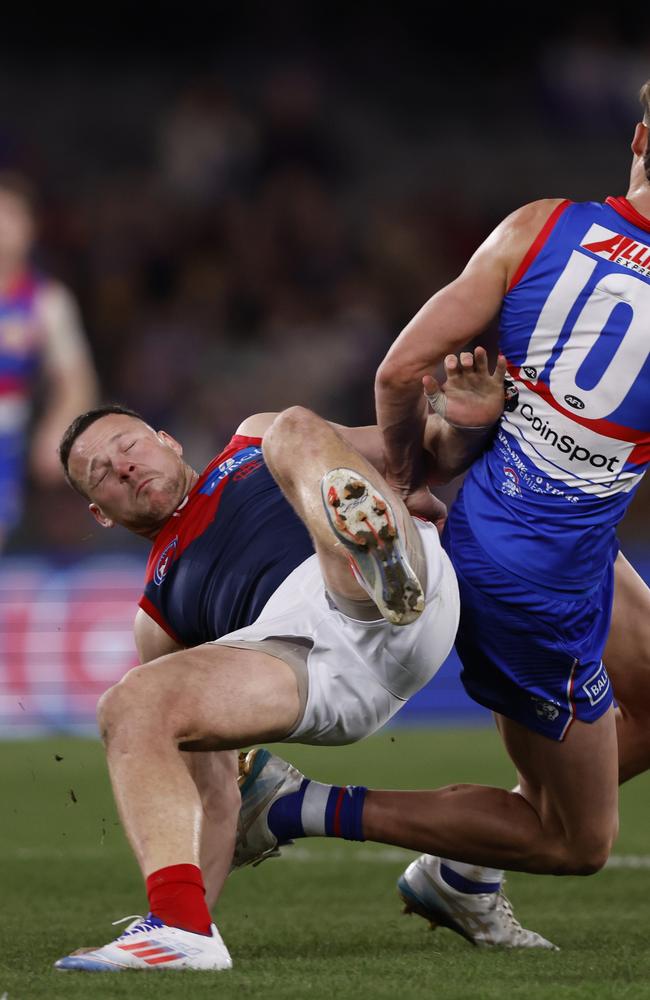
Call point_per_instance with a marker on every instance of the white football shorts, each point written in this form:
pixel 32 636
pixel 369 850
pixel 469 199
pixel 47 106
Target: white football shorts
pixel 359 673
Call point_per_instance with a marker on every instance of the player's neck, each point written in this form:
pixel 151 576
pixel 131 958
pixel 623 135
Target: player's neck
pixel 639 196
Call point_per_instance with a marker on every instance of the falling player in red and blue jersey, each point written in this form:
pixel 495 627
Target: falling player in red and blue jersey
pixel 252 626
pixel 40 341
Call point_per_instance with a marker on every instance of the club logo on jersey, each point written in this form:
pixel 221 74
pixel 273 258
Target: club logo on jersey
pixel 573 401
pixel 510 394
pixel 597 686
pixel 510 484
pixel 619 249
pixel 165 560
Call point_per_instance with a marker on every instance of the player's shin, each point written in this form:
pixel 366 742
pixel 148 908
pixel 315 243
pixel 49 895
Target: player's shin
pixel 160 808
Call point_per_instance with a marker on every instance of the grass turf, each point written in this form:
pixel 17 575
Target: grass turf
pixel 323 922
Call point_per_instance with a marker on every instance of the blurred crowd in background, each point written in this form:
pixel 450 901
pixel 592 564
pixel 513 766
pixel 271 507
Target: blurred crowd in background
pixel 247 226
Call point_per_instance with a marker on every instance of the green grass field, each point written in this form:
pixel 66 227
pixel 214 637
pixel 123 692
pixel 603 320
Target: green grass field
pixel 324 921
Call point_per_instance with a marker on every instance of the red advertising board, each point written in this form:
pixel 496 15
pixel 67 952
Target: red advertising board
pixel 65 636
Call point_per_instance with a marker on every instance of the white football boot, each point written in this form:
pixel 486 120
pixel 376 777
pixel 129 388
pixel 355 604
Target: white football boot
pixel 485 919
pixel 148 943
pixel 263 779
pixel 365 524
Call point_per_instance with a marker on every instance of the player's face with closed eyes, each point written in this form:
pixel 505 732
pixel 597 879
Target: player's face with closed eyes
pixel 132 475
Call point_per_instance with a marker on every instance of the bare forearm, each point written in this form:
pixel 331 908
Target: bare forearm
pixel 401 417
pixel 453 449
pixel 68 399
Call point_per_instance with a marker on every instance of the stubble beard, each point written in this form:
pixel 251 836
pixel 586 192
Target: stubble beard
pixel 167 494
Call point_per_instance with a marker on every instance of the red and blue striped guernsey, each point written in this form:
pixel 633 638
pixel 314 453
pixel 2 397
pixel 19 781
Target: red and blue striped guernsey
pixel 225 550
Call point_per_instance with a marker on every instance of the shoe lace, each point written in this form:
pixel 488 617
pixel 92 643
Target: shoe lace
pixel 147 923
pixel 503 908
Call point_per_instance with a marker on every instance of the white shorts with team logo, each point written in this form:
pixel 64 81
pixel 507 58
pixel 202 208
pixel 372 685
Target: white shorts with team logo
pixel 359 673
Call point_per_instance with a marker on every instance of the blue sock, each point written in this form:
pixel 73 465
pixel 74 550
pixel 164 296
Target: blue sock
pixel 472 879
pixel 317 810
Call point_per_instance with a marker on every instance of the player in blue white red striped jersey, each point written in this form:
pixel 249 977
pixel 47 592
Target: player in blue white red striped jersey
pixel 250 567
pixel 554 621
pixel 41 340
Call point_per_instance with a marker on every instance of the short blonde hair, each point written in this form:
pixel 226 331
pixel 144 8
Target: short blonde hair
pixel 644 97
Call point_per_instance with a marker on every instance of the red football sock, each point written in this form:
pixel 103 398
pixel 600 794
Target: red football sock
pixel 177 897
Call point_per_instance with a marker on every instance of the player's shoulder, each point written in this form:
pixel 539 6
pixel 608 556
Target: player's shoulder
pixel 517 233
pixel 529 219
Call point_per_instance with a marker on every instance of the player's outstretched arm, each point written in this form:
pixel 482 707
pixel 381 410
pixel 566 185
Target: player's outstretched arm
pixel 70 379
pixel 451 318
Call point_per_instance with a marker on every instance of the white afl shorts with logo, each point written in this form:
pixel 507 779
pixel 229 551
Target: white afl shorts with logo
pixel 359 673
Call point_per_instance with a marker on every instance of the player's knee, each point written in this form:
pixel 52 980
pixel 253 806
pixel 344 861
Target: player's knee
pixel 288 429
pixel 129 702
pixel 585 855
pixel 108 712
pixel 587 860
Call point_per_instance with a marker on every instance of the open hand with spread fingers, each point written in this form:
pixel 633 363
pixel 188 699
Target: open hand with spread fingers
pixel 471 397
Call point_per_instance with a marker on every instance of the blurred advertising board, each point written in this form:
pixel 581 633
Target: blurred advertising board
pixel 66 636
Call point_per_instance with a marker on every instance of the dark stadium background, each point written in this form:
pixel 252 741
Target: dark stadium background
pixel 249 206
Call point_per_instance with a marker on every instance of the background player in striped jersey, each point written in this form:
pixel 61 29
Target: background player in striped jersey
pixel 288 643
pixel 41 340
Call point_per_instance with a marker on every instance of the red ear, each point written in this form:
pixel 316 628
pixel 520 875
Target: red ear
pixel 640 140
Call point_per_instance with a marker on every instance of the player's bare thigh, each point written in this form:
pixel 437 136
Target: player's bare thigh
pixel 211 697
pixel 572 785
pixel 299 449
pixel 627 653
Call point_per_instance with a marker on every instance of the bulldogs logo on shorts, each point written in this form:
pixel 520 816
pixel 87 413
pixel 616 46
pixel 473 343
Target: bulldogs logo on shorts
pixel 547 710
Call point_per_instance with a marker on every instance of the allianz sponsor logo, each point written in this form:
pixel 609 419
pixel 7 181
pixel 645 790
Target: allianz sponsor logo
pixel 619 249
pixel 597 686
pixel 565 443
